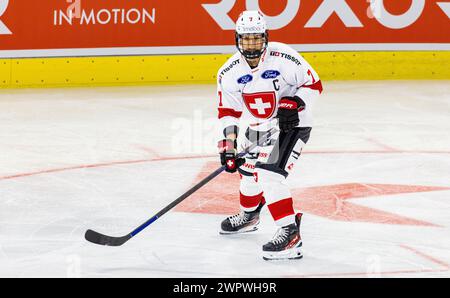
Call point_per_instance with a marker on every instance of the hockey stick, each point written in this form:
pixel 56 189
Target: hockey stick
pixel 98 238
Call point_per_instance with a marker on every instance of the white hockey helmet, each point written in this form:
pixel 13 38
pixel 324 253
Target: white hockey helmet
pixel 251 22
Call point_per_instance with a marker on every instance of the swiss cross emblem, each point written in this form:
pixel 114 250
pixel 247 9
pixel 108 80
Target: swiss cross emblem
pixel 230 164
pixel 261 105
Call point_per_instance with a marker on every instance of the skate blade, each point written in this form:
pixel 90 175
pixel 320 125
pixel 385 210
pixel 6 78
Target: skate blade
pixel 246 230
pixel 290 254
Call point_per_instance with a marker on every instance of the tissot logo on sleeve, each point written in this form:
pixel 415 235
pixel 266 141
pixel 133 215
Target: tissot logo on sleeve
pixel 3 7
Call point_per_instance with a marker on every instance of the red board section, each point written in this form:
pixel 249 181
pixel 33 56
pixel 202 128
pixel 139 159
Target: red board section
pixel 46 24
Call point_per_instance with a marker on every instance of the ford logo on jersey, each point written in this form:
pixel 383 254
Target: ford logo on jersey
pixel 270 74
pixel 245 79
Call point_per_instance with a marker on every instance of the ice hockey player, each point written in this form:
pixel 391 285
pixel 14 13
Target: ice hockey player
pixel 265 84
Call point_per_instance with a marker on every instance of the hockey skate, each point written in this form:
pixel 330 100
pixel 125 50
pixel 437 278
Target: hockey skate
pixel 241 222
pixel 286 243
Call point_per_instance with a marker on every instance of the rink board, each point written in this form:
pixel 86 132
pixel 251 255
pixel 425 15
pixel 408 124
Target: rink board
pixel 201 69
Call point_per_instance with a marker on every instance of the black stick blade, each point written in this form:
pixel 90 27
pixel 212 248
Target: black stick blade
pixel 97 238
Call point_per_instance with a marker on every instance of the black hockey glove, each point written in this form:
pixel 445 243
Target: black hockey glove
pixel 288 109
pixel 227 151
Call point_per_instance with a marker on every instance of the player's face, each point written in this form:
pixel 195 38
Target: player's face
pixel 252 42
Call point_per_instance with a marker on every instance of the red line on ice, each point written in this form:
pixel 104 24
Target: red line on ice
pixel 367 274
pixel 107 164
pixel 425 256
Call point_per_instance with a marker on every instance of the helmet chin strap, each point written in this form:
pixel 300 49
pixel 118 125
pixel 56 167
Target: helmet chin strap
pixel 252 54
pixel 253 63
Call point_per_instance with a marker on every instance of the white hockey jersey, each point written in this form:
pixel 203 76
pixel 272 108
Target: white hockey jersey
pixel 252 95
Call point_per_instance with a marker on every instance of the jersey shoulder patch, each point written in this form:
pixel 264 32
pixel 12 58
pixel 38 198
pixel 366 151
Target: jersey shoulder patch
pixel 284 52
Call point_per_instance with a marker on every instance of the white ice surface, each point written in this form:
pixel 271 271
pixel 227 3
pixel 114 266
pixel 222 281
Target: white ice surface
pixel 110 158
